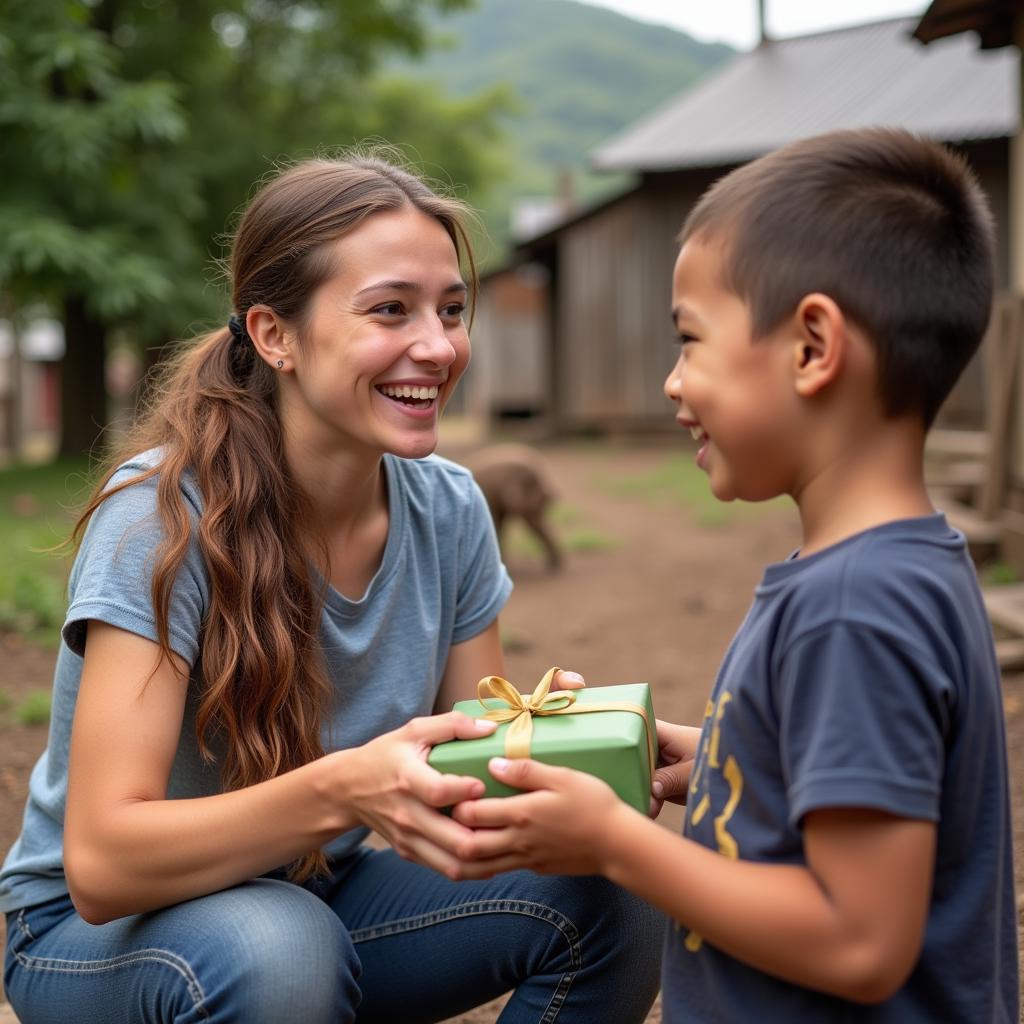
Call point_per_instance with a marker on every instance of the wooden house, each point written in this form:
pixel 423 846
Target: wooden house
pixel 998 25
pixel 601 340
pixel 29 387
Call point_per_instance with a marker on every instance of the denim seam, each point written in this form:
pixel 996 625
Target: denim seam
pixel 479 907
pixel 162 956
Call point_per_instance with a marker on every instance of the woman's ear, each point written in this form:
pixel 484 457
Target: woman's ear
pixel 820 344
pixel 269 337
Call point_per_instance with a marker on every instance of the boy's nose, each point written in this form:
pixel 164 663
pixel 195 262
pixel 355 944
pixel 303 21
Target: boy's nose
pixel 674 381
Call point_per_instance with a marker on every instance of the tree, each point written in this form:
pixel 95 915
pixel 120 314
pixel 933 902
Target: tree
pixel 76 138
pixel 130 131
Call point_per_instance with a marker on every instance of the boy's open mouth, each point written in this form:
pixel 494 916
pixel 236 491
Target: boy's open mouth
pixel 412 395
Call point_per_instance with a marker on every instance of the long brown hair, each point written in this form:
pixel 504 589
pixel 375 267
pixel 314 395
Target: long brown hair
pixel 212 413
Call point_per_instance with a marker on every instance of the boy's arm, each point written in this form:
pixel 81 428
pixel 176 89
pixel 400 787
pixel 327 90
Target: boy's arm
pixel 850 923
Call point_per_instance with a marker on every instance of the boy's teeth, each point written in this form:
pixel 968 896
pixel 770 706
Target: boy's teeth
pixel 409 391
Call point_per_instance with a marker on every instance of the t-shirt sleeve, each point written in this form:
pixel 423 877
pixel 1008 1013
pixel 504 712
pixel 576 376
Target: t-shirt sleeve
pixel 113 571
pixel 862 722
pixel 484 583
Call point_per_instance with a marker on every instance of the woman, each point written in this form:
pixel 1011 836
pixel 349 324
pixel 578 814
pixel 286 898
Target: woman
pixel 276 584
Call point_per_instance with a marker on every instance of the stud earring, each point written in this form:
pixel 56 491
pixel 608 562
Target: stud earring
pixel 280 363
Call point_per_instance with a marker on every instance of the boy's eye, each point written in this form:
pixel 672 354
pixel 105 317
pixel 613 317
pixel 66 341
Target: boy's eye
pixel 683 339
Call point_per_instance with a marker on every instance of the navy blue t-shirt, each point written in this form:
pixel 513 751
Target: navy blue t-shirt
pixel 863 676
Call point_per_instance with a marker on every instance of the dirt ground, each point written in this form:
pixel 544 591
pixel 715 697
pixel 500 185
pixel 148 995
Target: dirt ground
pixel 651 591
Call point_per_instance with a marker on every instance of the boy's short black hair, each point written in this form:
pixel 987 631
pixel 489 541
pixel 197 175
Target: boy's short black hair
pixel 892 226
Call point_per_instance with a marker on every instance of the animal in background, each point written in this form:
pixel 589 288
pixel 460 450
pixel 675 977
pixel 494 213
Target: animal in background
pixel 517 483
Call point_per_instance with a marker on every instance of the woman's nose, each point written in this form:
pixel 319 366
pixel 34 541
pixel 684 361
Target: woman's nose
pixel 433 345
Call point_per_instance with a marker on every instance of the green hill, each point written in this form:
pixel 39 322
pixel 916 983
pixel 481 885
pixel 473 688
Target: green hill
pixel 576 75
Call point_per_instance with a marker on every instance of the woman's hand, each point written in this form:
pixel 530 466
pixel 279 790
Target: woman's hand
pixel 389 786
pixel 558 827
pixel 677 749
pixel 565 680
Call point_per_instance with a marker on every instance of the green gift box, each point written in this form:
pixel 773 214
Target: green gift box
pixel 607 731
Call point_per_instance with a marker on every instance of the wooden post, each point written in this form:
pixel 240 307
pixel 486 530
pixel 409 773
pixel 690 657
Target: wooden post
pixel 17 428
pixel 15 406
pixel 762 22
pixel 1004 343
pixel 1016 247
pixel 1016 238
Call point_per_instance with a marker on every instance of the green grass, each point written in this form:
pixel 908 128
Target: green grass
pixel 570 527
pixel 34 709
pixel 37 506
pixel 566 516
pixel 520 541
pixel 679 480
pixel 997 574
pixel 583 540
pixel 514 642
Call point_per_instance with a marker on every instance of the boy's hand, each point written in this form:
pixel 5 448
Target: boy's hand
pixel 677 748
pixel 555 828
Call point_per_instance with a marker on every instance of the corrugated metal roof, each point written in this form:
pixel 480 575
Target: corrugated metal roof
pixel 855 77
pixel 991 19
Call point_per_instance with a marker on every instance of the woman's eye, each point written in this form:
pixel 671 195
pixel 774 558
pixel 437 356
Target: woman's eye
pixel 453 310
pixel 388 309
pixel 683 339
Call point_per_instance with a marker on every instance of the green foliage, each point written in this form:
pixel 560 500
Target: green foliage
pixel 577 73
pixel 34 709
pixel 35 603
pixel 133 131
pixel 37 506
pixel 31 711
pixel 998 574
pixel 69 118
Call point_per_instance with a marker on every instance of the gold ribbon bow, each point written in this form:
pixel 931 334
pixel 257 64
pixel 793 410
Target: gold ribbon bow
pixel 520 710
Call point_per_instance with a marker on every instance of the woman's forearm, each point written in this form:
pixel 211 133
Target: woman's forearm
pixel 145 854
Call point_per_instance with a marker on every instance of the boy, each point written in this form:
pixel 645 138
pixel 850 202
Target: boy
pixel 846 853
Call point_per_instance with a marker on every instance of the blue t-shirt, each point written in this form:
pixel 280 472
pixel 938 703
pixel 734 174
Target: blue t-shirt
pixel 440 582
pixel 863 676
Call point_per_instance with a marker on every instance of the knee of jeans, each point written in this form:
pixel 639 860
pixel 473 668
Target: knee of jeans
pixel 286 949
pixel 612 919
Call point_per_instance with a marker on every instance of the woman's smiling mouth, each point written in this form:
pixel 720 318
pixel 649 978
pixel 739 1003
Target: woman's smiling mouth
pixel 411 396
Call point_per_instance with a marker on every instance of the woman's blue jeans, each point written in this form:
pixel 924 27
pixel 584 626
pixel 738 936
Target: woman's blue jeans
pixel 381 940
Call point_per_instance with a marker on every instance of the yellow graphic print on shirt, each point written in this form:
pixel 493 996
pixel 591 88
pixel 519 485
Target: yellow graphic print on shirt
pixel 708 760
